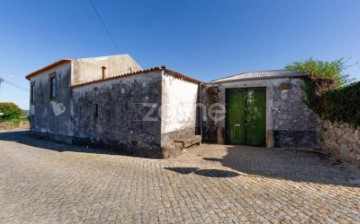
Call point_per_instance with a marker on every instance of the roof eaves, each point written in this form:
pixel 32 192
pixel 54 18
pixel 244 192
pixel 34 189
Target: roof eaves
pixel 50 66
pixel 120 76
pixel 258 78
pixel 182 76
pixel 243 73
pixel 159 68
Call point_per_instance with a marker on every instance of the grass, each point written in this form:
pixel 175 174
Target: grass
pixel 17 120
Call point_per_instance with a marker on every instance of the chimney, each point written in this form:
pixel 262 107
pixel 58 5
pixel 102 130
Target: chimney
pixel 103 72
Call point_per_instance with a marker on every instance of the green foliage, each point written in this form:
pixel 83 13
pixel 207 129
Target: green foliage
pixel 11 112
pixel 341 105
pixel 326 93
pixel 18 120
pixel 322 69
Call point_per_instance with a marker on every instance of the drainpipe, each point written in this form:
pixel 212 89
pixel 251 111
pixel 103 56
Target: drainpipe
pixel 103 72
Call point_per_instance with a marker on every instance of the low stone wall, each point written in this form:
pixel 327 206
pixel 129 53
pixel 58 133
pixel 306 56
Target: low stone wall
pixel 342 140
pixel 170 136
pixel 7 125
pixel 11 125
pixel 24 124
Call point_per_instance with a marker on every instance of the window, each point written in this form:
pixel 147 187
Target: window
pixel 96 111
pixel 52 87
pixel 32 92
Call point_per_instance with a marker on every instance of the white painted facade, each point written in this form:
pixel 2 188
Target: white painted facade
pixel 178 109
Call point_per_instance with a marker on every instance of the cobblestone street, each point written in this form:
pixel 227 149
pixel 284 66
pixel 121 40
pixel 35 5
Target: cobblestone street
pixel 45 182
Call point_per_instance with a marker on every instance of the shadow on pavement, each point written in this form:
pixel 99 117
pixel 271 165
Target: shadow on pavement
pixel 182 170
pixel 204 172
pixel 24 137
pixel 289 164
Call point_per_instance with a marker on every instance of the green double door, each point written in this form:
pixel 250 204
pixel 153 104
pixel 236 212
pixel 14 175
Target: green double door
pixel 245 116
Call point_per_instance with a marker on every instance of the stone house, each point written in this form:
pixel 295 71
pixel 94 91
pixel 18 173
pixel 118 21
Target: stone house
pixel 112 102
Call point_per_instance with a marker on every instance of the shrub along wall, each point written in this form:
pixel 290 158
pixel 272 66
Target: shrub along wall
pixel 340 105
pixel 340 113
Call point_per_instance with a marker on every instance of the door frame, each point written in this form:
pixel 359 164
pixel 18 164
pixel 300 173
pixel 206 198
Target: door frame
pixel 266 111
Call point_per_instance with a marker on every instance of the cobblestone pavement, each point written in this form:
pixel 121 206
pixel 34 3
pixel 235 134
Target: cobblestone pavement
pixel 43 182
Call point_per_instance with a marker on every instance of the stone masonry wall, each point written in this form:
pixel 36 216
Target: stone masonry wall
pixel 294 124
pixel 119 121
pixel 210 95
pixel 342 140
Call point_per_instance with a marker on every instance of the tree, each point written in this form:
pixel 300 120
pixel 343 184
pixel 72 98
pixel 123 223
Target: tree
pixel 322 70
pixel 10 111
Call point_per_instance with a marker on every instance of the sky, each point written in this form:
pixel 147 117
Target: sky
pixel 205 39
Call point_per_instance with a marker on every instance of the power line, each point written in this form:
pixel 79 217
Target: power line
pixel 103 24
pixel 2 80
pixel 16 86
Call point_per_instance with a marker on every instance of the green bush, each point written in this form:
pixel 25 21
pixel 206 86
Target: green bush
pixel 10 112
pixel 341 104
pixel 326 93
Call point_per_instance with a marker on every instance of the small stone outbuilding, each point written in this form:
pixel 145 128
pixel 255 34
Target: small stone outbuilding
pixel 263 108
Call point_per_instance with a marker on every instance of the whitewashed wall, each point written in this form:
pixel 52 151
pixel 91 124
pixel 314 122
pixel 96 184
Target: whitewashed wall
pixel 178 109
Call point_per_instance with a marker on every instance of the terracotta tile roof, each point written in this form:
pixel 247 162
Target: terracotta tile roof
pixel 59 62
pixel 159 68
pixel 181 76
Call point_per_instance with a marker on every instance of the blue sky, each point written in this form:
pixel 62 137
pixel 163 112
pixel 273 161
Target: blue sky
pixel 204 39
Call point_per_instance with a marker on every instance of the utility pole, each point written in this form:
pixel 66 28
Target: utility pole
pixel 1 80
